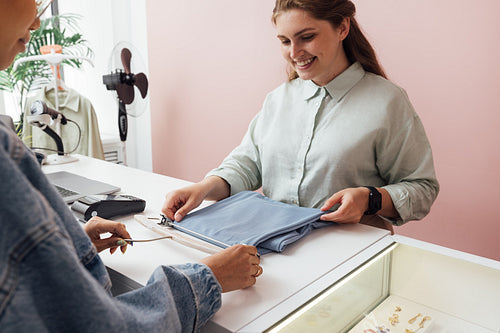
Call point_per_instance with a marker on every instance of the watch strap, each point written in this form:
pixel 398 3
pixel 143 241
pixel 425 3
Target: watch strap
pixel 374 201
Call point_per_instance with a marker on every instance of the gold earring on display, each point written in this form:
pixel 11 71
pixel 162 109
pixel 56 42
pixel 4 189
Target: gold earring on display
pixel 421 325
pixel 412 320
pixel 394 319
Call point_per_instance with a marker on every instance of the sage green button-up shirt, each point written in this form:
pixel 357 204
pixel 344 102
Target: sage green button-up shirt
pixel 308 142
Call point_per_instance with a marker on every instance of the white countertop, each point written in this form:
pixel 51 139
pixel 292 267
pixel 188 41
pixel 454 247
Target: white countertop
pixel 285 274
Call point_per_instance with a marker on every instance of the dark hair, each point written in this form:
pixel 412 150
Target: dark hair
pixel 356 46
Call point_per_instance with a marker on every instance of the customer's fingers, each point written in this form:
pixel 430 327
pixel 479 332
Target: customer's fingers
pixel 259 271
pixel 235 267
pixel 112 243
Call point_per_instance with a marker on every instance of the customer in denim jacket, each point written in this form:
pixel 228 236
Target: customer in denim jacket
pixel 51 277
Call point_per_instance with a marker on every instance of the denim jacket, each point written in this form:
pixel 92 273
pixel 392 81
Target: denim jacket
pixel 53 280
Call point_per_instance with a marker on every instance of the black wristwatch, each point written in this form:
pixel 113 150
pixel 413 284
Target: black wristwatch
pixel 374 201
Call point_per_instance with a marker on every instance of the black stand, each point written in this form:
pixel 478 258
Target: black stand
pixel 122 121
pixel 57 139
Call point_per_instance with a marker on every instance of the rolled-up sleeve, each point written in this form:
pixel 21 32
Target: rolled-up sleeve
pixel 406 163
pixel 181 298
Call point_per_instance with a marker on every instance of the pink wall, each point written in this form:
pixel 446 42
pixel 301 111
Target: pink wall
pixel 212 63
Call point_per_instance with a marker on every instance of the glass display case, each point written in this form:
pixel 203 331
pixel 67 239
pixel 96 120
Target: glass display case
pixel 408 287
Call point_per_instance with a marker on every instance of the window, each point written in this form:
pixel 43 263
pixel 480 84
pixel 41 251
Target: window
pixel 104 24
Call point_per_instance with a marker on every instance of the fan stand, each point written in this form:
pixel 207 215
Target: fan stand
pixel 123 81
pixel 123 127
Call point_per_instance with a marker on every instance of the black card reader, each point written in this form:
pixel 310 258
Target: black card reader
pixel 107 206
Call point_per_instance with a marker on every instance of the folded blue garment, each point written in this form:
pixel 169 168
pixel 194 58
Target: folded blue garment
pixel 253 219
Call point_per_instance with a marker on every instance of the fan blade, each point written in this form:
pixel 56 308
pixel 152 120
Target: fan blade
pixel 126 56
pixel 141 81
pixel 125 93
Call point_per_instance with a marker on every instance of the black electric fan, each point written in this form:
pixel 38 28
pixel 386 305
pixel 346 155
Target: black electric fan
pixel 123 82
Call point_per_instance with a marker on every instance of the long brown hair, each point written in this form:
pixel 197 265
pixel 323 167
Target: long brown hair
pixel 356 46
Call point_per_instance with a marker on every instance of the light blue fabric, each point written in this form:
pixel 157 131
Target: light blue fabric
pixel 253 219
pixel 52 279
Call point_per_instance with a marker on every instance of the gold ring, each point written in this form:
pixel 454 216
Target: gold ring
pixel 259 271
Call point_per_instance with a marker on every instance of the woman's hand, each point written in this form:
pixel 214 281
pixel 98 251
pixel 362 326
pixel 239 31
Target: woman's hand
pixel 236 267
pixel 97 226
pixel 180 202
pixel 353 204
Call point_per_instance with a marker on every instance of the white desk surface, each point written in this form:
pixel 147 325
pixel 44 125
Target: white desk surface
pixel 285 274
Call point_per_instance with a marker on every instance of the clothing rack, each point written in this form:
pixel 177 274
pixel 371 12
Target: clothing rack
pixel 54 59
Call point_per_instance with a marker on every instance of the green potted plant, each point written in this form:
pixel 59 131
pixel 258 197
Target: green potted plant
pixel 28 76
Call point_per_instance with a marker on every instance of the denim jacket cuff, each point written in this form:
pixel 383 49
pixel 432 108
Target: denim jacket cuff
pixel 207 290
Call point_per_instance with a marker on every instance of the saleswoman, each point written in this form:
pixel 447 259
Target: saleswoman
pixel 337 134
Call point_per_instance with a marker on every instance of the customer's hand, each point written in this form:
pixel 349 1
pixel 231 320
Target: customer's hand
pixel 236 267
pixel 353 204
pixel 97 226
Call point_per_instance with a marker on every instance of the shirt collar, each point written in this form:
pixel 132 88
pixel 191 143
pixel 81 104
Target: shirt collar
pixel 339 86
pixel 310 89
pixel 67 101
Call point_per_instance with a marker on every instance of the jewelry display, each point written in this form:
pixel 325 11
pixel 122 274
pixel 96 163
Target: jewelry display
pixel 412 320
pixel 398 318
pixel 421 325
pixel 379 329
pixel 394 319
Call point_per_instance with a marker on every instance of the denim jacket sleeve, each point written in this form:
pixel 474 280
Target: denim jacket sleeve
pixel 52 279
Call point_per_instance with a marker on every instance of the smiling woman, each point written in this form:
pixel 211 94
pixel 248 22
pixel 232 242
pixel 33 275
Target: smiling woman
pixel 339 15
pixel 312 48
pixel 337 136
